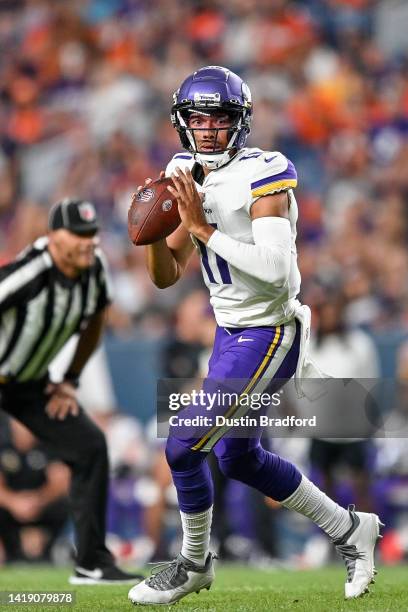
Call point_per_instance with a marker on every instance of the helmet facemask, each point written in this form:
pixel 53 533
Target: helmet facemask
pixel 218 154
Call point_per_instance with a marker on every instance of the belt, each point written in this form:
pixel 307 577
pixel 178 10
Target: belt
pixel 13 383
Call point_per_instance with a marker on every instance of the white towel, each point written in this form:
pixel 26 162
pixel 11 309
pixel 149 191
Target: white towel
pixel 306 368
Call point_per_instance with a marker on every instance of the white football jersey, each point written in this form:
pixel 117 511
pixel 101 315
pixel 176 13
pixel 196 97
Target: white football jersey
pixel 239 299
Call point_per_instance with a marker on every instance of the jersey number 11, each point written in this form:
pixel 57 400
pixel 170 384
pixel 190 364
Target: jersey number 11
pixel 222 265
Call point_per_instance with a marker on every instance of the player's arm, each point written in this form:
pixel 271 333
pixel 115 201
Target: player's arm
pixel 167 259
pixel 268 258
pixel 276 205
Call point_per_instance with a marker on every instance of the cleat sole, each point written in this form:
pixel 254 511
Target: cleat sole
pixel 207 587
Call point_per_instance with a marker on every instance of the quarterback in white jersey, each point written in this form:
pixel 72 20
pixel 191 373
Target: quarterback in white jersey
pixel 238 206
pixel 241 299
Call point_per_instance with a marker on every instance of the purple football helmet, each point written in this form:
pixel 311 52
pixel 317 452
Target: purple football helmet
pixel 213 88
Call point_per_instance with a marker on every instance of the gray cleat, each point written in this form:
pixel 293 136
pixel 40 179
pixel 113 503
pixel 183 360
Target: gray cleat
pixel 175 580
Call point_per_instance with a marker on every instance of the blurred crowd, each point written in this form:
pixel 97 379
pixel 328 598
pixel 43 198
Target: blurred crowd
pixel 86 88
pixel 85 93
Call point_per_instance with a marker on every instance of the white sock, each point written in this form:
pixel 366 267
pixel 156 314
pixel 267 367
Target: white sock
pixel 196 535
pixel 313 503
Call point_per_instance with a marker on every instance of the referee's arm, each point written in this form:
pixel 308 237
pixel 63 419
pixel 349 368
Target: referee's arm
pixel 63 399
pixel 90 336
pixel 87 343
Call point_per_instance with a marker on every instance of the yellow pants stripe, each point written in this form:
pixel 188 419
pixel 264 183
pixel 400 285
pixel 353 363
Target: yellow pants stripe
pixel 258 374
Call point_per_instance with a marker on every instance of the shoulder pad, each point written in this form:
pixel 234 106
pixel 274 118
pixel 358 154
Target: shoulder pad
pixel 183 160
pixel 272 172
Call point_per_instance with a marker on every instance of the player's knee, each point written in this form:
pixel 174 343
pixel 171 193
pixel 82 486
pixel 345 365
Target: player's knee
pixel 241 467
pixel 231 466
pixel 180 457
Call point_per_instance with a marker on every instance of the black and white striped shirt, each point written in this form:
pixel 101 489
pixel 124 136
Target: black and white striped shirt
pixel 41 308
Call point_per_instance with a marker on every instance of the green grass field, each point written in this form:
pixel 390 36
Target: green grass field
pixel 237 589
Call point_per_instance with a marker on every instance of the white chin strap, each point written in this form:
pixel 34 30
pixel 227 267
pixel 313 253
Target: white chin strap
pixel 214 160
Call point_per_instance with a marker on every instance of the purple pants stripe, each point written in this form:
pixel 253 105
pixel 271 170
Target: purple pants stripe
pixel 259 371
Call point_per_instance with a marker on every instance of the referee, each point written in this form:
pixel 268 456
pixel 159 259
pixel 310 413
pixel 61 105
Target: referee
pixel 58 287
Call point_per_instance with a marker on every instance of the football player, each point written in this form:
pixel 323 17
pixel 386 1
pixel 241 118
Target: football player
pixel 238 209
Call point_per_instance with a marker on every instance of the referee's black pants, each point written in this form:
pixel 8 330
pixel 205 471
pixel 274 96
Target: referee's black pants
pixel 79 443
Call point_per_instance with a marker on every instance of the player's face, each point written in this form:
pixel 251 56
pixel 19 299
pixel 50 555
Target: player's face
pixel 74 252
pixel 210 131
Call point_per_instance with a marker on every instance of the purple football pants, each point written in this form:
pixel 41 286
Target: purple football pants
pixel 253 358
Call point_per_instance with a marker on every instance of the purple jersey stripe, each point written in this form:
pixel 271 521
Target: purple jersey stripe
pixel 181 156
pixel 289 173
pixel 222 265
pixel 204 259
pixel 224 270
pixel 251 156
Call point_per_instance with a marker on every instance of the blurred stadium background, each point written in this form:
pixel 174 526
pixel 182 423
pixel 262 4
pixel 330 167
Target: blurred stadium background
pixel 85 92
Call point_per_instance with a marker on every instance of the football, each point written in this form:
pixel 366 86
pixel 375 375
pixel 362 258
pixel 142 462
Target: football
pixel 153 213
